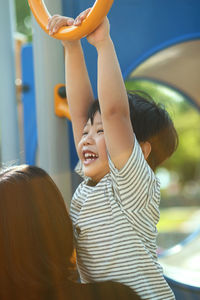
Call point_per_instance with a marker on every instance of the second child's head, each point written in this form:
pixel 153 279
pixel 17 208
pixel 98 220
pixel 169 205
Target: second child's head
pixel 151 124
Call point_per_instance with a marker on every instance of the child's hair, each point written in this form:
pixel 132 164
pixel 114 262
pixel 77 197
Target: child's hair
pixel 151 122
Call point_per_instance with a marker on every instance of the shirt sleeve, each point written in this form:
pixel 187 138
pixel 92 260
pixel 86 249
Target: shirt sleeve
pixel 135 185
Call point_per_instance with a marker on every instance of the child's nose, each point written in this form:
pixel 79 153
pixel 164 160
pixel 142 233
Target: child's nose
pixel 88 140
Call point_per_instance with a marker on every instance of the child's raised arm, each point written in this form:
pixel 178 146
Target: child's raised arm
pixel 113 98
pixel 78 86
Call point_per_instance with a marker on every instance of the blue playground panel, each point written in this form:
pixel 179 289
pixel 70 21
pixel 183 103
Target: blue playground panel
pixel 29 111
pixel 29 107
pixel 73 154
pixel 140 28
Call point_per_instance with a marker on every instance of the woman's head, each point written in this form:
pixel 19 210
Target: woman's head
pixel 35 229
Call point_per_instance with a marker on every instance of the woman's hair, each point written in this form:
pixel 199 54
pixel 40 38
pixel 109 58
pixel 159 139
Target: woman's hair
pixel 150 122
pixel 36 237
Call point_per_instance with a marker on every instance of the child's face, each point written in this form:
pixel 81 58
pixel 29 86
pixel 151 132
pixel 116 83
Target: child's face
pixel 92 150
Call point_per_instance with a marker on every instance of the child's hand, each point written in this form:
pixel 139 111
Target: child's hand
pixel 100 34
pixel 56 22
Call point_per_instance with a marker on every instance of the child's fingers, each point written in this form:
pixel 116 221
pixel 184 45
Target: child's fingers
pixel 77 21
pixel 81 17
pixel 51 21
pixel 56 22
pixel 84 14
pixel 70 21
pixel 62 22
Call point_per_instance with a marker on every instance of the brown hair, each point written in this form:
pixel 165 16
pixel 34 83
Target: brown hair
pixel 36 238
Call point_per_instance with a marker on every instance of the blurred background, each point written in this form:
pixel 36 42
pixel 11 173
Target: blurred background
pixel 158 46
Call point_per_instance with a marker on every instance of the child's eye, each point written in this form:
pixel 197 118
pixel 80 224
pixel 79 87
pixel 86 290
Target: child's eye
pixel 100 131
pixel 85 133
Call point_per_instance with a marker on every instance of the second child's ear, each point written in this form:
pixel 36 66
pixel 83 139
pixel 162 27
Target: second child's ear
pixel 146 149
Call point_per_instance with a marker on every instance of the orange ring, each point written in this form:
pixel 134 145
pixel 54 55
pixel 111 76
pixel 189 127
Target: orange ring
pixel 92 21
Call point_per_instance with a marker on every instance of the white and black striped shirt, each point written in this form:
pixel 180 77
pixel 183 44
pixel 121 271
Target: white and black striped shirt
pixel 115 228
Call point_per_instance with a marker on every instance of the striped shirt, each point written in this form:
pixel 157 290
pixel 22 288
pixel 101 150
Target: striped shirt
pixel 115 228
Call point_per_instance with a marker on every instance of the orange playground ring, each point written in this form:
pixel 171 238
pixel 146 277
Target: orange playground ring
pixel 94 18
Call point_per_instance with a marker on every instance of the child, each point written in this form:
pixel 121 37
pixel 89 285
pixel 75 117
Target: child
pixel 116 208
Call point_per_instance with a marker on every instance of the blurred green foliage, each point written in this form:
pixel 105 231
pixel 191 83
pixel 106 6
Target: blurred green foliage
pixel 23 18
pixel 175 218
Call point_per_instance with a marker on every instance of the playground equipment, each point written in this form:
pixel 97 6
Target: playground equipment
pixel 60 102
pixel 94 18
pixel 181 267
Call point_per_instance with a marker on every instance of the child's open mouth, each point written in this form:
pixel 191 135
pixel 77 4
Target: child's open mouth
pixel 89 157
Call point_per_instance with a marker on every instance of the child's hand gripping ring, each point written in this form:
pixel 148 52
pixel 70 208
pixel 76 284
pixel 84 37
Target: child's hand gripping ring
pixel 92 21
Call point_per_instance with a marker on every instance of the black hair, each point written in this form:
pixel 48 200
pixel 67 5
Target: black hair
pixel 151 122
pixel 93 109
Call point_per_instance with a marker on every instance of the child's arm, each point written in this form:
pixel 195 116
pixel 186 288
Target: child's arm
pixel 113 98
pixel 78 86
